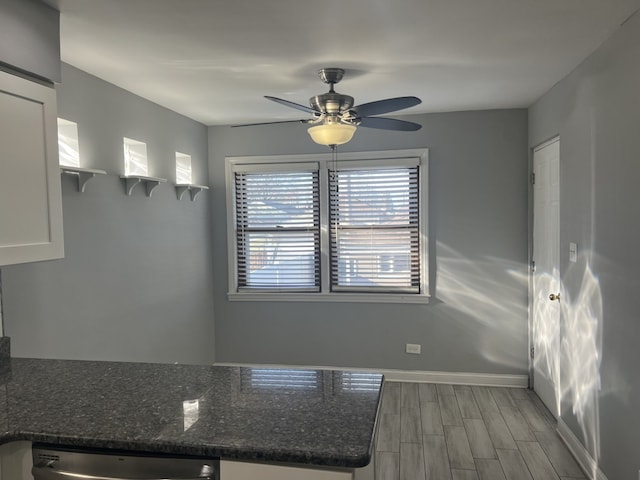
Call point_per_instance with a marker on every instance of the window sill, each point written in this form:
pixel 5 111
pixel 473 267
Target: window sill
pixel 328 297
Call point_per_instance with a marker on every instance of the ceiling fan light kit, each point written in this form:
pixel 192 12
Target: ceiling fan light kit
pixel 332 133
pixel 335 118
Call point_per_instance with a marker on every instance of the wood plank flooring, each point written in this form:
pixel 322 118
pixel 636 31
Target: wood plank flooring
pixel 453 432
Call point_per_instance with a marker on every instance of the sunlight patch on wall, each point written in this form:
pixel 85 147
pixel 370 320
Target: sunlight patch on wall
pixel 135 157
pixel 569 354
pixel 183 169
pixel 581 349
pixel 68 144
pixel 489 293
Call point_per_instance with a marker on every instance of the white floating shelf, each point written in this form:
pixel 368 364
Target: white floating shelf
pixel 83 174
pixel 150 183
pixel 194 190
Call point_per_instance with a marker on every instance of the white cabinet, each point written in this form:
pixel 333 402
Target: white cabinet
pixel 15 461
pixel 231 470
pixel 30 197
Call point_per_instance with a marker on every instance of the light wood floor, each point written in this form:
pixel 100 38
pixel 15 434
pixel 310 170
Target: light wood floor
pixel 445 432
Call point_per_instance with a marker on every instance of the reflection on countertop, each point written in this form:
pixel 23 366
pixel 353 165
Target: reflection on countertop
pixel 294 415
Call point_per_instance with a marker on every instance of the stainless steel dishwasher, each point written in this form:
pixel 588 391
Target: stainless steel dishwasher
pixel 52 463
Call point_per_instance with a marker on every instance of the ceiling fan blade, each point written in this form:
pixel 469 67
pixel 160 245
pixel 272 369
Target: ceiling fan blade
pixel 389 124
pixel 269 123
pixel 385 106
pixel 287 103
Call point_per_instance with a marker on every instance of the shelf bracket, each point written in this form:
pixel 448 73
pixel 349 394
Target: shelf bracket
pixel 83 175
pixel 180 190
pixel 151 186
pixel 194 190
pixel 130 182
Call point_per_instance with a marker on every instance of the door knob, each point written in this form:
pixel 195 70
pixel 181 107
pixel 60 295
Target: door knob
pixel 554 296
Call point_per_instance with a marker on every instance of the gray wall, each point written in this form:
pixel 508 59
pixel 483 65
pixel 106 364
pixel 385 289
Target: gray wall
pixel 596 112
pixel 30 38
pixel 477 318
pixel 136 281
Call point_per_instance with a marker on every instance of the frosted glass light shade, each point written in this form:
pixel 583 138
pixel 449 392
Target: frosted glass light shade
pixel 332 133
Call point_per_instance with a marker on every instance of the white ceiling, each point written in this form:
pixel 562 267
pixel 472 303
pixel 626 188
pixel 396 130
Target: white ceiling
pixel 213 60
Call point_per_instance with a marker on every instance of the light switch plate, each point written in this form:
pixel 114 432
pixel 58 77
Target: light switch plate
pixel 573 252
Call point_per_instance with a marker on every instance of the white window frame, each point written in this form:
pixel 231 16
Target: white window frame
pixel 390 158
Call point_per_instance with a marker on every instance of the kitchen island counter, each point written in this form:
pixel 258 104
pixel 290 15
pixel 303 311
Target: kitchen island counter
pixel 294 416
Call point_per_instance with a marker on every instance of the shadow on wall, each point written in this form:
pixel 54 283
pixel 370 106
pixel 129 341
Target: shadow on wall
pixel 570 353
pixel 492 292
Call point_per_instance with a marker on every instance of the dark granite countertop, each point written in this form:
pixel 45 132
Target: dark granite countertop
pixel 313 417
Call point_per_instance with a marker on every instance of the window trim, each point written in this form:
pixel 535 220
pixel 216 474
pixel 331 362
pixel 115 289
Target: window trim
pixel 387 157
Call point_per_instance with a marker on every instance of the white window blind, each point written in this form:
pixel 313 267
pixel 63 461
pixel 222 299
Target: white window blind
pixel 374 229
pixel 278 229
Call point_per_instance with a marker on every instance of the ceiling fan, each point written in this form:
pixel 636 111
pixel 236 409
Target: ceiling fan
pixel 334 118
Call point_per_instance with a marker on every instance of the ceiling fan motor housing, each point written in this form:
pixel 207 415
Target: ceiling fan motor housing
pixel 331 103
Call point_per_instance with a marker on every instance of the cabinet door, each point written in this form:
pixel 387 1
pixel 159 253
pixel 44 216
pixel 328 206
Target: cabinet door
pixel 15 461
pixel 30 198
pixel 231 470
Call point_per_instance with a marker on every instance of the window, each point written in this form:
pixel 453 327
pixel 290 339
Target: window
pixel 277 228
pixel 311 228
pixel 375 230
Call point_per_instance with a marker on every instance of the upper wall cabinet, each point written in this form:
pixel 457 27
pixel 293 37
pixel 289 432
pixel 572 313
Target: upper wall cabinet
pixel 30 197
pixel 30 38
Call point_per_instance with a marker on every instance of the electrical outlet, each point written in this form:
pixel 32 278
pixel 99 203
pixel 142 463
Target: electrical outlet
pixel 413 348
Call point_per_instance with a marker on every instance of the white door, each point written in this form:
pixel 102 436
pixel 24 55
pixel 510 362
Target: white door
pixel 546 277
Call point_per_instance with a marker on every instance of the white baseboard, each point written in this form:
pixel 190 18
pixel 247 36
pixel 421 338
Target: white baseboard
pixel 419 376
pixel 458 378
pixel 580 453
